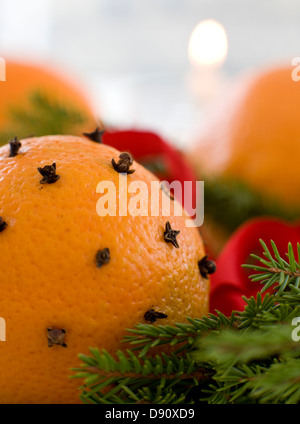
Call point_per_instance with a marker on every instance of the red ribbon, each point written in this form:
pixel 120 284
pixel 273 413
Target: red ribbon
pixel 144 146
pixel 231 281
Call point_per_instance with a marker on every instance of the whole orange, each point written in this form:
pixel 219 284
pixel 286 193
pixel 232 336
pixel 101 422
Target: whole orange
pixel 50 276
pixel 20 108
pixel 253 134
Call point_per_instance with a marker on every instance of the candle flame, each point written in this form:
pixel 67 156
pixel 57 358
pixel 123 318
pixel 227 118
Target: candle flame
pixel 208 44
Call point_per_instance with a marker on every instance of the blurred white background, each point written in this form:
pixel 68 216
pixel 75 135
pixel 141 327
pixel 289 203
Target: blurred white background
pixel 132 54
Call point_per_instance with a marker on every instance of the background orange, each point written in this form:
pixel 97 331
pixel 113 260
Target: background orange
pixel 253 135
pixel 23 80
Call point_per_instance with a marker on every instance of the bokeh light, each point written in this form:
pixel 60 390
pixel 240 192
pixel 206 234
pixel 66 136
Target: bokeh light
pixel 208 44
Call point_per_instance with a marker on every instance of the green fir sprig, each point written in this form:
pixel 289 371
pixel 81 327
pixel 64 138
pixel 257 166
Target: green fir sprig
pixel 41 116
pixel 249 357
pixel 230 202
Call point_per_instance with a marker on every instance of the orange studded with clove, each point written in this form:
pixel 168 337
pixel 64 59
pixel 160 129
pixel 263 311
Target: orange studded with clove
pixel 71 279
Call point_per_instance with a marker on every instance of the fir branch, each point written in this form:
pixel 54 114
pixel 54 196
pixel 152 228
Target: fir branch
pixel 40 117
pixel 277 273
pixel 234 386
pixel 163 379
pixel 244 362
pixel 257 312
pixel 231 347
pixel 145 336
pixel 279 384
pixel 230 203
pixel 260 313
pixel 218 359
